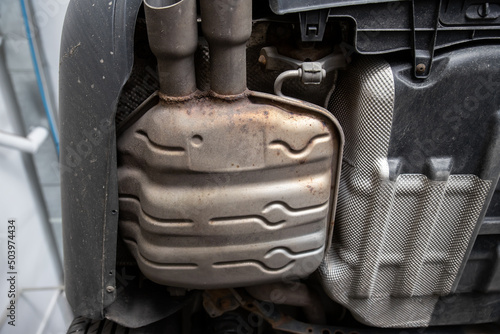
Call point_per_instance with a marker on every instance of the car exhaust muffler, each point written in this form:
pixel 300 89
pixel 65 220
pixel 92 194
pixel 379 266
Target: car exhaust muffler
pixel 228 187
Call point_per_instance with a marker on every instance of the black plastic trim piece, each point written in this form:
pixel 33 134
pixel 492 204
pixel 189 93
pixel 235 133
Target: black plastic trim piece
pixel 96 60
pixel 281 7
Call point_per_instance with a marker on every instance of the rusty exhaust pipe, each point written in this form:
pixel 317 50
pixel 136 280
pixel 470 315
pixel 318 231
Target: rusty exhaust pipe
pixel 227 26
pixel 173 38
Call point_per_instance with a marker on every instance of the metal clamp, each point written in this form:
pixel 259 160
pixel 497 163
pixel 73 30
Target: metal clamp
pixel 311 73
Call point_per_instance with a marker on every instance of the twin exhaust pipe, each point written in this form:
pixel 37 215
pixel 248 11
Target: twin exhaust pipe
pixel 173 38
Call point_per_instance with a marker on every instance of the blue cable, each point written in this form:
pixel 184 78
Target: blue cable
pixel 38 76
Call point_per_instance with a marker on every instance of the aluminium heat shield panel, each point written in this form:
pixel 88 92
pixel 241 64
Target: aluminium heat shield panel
pixel 399 240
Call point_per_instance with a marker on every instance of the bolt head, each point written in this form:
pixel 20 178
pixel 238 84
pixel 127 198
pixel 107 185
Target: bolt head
pixel 420 68
pixel 110 288
pixel 262 60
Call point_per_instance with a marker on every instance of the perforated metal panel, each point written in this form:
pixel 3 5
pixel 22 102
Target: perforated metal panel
pixel 399 240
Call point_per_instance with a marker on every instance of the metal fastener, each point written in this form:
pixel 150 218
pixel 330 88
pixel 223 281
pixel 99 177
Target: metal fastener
pixel 110 288
pixel 484 10
pixel 262 60
pixel 420 68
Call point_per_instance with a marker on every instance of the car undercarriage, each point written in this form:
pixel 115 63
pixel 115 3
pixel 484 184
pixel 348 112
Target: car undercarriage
pixel 282 166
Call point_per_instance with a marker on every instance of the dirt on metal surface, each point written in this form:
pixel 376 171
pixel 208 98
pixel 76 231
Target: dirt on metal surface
pixel 228 192
pixel 229 187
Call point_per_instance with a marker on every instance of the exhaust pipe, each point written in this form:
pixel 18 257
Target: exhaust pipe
pixel 227 26
pixel 173 38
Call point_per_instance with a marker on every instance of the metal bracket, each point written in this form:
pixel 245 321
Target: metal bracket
pixel 270 313
pixel 217 302
pixel 313 24
pixel 424 40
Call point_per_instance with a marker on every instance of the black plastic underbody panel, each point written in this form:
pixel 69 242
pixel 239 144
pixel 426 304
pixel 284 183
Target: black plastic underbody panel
pixel 293 6
pixel 96 60
pixel 429 119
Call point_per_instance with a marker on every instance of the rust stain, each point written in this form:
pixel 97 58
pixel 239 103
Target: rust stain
pixel 237 119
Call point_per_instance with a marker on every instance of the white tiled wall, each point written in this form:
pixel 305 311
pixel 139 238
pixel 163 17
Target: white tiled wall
pixel 37 274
